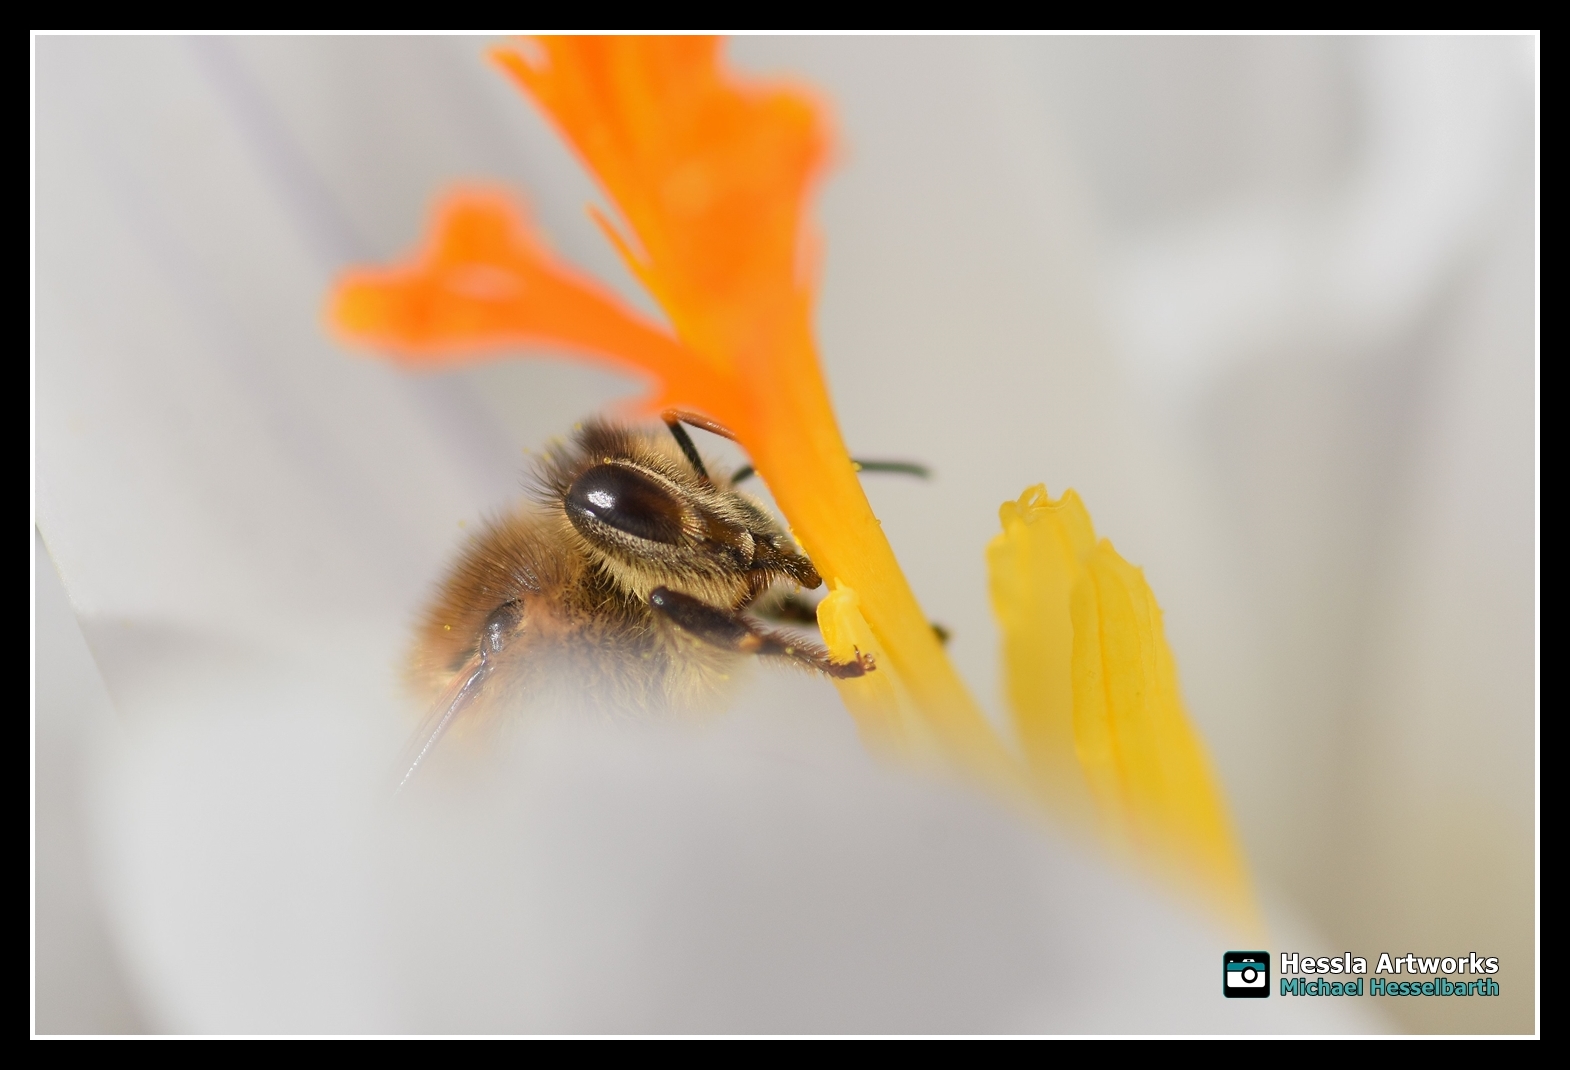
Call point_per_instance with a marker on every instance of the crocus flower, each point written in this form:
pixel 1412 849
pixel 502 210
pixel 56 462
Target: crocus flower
pixel 1267 304
pixel 710 176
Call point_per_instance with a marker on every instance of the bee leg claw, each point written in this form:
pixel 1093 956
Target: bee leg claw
pixel 850 670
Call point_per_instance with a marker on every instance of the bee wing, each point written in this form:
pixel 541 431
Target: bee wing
pixel 454 700
pixel 503 624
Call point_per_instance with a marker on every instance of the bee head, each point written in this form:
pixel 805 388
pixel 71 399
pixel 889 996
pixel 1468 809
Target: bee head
pixel 650 519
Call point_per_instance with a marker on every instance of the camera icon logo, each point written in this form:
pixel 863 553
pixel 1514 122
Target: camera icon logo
pixel 1246 974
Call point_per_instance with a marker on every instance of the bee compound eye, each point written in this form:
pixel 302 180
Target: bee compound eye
pixel 628 501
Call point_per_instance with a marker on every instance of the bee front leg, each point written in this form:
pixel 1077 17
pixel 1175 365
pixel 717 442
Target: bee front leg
pixel 732 631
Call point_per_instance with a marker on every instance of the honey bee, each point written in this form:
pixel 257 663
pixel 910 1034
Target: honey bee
pixel 631 581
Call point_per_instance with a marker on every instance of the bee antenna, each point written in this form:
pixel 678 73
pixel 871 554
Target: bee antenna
pixel 684 440
pixel 904 468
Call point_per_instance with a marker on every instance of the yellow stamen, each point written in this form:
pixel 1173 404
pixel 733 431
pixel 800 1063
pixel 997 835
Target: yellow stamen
pixel 1094 694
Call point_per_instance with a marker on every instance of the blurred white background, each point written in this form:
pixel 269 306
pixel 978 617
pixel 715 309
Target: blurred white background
pixel 1268 303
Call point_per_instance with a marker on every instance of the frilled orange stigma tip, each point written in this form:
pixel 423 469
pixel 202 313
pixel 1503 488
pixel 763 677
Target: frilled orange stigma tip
pixel 485 284
pixel 710 172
